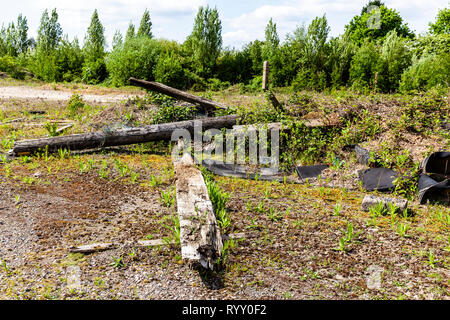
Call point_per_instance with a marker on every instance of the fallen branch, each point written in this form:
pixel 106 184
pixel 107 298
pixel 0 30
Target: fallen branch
pixel 177 94
pixel 102 246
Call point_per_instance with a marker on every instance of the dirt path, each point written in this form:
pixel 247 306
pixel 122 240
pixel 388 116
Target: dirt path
pixel 23 92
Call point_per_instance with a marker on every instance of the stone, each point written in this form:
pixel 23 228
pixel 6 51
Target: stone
pixel 371 201
pixel 374 277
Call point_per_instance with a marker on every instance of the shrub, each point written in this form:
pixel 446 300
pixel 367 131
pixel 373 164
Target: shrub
pixel 137 57
pixel 364 64
pixel 75 104
pixel 94 71
pixel 429 71
pixel 169 71
pixel 9 65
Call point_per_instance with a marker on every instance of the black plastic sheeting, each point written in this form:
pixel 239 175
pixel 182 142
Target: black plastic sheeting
pixel 438 163
pixel 381 179
pixel 307 172
pixel 435 187
pixel 242 171
pixel 433 191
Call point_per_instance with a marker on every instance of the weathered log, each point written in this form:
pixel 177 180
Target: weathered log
pixel 177 94
pixel 199 234
pixel 119 137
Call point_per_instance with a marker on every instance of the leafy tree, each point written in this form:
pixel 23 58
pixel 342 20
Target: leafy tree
pixel 145 28
pixel 376 24
pixel 94 68
pixel 49 32
pixel 271 42
pixel 70 60
pixel 395 57
pixel 205 41
pixel 44 61
pixel 442 23
pixel 23 42
pixel 130 32
pixel 364 65
pixel 426 72
pixel 117 39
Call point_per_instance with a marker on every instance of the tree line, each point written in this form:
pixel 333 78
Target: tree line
pixel 377 51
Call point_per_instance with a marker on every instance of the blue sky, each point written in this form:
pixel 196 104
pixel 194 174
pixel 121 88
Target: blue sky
pixel 242 20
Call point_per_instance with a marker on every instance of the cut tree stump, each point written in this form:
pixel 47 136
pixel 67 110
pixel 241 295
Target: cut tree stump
pixel 120 137
pixel 177 94
pixel 199 234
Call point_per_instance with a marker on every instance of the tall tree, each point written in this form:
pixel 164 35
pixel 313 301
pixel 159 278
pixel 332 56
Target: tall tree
pixel 442 23
pixel 117 39
pixel 49 32
pixel 272 40
pixel 145 28
pixel 130 32
pixel 94 68
pixel 23 42
pixel 94 42
pixel 375 22
pixel 205 41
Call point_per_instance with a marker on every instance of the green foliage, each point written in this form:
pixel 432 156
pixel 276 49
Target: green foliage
pixel 69 60
pixel 136 57
pixel 364 65
pixel 169 71
pixel 375 22
pixel 442 23
pixel 205 41
pixel 426 72
pixel 394 58
pixel 145 28
pixel 75 105
pixel 94 68
pixel 10 65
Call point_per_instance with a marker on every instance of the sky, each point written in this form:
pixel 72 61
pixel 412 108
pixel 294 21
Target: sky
pixel 242 20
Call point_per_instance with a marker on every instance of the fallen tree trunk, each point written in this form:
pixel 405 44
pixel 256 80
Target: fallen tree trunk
pixel 200 237
pixel 177 94
pixel 119 137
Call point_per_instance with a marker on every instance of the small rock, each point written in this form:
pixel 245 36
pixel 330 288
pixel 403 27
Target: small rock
pixel 373 278
pixel 371 201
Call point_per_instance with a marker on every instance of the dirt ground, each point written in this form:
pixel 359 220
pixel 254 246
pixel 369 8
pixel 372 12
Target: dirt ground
pixel 49 204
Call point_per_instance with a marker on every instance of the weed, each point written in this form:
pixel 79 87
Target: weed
pixel 275 215
pixel 175 231
pixel 52 129
pixel 402 229
pixel 337 209
pixel 167 197
pixel 117 262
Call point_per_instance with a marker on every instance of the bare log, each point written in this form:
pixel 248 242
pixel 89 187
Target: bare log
pixel 177 94
pixel 199 234
pixel 119 137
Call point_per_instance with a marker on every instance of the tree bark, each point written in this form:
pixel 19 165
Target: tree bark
pixel 177 94
pixel 119 137
pixel 200 237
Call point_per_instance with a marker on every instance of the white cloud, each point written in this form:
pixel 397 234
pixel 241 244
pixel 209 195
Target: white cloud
pixel 288 14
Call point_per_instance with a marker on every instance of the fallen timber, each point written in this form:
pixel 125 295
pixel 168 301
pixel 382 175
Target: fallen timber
pixel 119 137
pixel 177 94
pixel 200 237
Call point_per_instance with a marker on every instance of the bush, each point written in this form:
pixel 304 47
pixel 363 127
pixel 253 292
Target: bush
pixel 364 65
pixel 94 71
pixel 75 104
pixel 169 71
pixel 44 66
pixel 136 57
pixel 9 65
pixel 427 72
